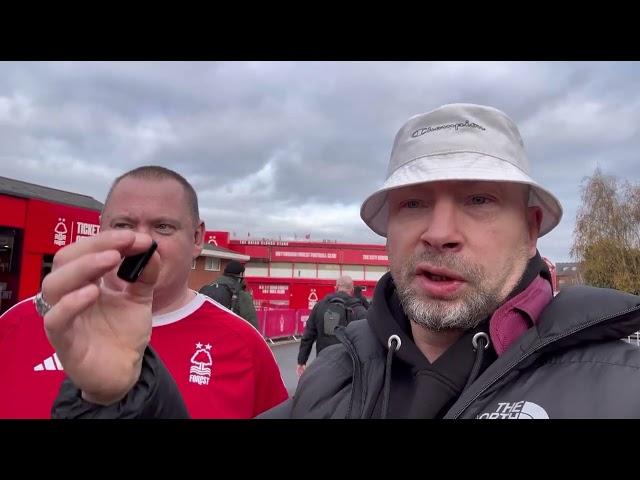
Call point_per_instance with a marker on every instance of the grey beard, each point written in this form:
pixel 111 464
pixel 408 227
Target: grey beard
pixel 465 312
pixel 438 315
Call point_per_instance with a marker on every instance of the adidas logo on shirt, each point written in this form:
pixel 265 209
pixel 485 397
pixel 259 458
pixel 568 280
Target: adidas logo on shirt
pixel 49 363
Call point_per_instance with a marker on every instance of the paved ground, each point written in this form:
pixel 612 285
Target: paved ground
pixel 286 354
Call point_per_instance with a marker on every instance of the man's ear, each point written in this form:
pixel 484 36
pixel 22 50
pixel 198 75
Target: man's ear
pixel 534 220
pixel 198 238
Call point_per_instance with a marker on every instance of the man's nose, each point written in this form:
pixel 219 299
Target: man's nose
pixel 441 230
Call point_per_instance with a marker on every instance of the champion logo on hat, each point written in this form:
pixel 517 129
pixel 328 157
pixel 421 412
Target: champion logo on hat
pixel 460 141
pixel 456 126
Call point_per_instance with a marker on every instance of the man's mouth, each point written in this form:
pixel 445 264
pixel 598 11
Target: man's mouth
pixel 439 274
pixel 437 278
pixel 439 282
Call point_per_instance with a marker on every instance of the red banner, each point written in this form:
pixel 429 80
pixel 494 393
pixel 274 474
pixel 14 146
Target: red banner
pixel 280 323
pixel 365 257
pixel 306 295
pixel 270 291
pixel 262 319
pixel 51 226
pixel 252 251
pixel 217 239
pixel 270 294
pixel 262 242
pixel 301 320
pixel 299 254
pixel 13 211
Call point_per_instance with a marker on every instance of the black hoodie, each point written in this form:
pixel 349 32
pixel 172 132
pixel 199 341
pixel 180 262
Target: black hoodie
pixel 569 364
pixel 423 389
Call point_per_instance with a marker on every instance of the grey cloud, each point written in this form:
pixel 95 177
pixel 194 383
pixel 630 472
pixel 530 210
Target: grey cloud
pixel 262 137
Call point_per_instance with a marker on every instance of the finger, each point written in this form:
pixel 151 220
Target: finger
pixel 60 318
pixel 77 274
pixel 90 267
pixel 119 240
pixel 141 242
pixel 126 242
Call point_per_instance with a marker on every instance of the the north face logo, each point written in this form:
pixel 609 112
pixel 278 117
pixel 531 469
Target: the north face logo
pixel 517 410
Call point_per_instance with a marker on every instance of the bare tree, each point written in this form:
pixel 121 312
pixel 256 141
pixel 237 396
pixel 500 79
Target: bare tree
pixel 607 233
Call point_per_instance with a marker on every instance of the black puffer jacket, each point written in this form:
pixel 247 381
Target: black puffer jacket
pixel 572 364
pixel 155 395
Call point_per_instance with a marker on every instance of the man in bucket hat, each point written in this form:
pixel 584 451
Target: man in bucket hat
pixel 465 324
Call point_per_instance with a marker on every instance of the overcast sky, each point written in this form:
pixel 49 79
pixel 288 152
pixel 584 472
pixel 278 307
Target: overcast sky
pixel 295 147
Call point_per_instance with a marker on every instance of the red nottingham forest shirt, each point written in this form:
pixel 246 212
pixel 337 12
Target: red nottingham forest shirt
pixel 222 365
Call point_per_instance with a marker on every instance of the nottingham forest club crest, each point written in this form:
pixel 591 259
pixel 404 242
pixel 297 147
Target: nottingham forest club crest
pixel 200 371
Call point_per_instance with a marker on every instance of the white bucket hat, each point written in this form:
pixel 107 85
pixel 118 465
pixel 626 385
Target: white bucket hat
pixel 458 142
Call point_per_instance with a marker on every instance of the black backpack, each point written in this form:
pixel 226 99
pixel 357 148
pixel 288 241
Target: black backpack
pixel 337 314
pixel 223 294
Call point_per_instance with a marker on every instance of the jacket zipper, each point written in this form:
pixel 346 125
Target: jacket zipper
pixel 526 355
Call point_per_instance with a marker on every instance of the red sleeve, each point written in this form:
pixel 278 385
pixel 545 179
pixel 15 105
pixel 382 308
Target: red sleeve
pixel 11 318
pixel 270 390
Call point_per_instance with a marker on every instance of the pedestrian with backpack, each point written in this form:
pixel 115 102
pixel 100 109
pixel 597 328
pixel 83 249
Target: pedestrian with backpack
pixel 229 291
pixel 336 310
pixel 357 292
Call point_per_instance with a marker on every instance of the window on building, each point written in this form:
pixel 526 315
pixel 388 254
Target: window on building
pixel 212 264
pixel 305 270
pixel 47 265
pixel 10 248
pixel 328 270
pixel 282 270
pixel 354 271
pixel 256 269
pixel 6 251
pixel 373 272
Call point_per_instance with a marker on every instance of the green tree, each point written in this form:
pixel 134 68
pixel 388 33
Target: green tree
pixel 607 233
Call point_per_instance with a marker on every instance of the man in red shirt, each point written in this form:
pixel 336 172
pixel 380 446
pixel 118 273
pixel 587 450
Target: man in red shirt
pixel 221 364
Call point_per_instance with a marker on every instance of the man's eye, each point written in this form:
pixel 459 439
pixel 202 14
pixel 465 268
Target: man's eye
pixel 164 227
pixel 412 204
pixel 479 200
pixel 122 225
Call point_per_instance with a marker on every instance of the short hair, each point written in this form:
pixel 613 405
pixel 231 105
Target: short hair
pixel 155 172
pixel 345 282
pixel 234 268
